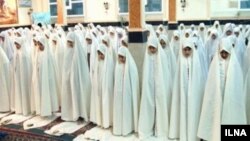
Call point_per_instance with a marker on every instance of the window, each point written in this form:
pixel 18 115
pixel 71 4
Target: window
pixel 53 7
pixel 153 6
pixel 74 7
pixel 244 4
pixel 123 4
pixel 150 6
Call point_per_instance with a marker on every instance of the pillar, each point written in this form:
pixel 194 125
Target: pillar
pixel 61 12
pixel 137 34
pixel 172 22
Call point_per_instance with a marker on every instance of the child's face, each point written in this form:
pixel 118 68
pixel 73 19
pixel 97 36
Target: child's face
pixel 187 52
pixel 122 59
pixel 224 55
pixel 35 42
pixel 214 36
pixel 229 32
pixel 124 44
pixel 105 43
pixel 70 44
pixel 236 34
pixel 100 56
pixel 54 42
pixel 152 50
pixel 163 43
pixel 89 41
pixel 41 47
pixel 18 46
pixel 176 38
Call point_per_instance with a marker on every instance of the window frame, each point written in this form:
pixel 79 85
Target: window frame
pixel 70 7
pixel 146 12
pixel 239 6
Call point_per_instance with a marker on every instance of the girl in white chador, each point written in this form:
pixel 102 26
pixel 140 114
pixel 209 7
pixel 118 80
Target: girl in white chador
pixel 155 99
pixel 113 39
pixel 175 43
pixel 187 95
pixel 126 94
pixel 6 41
pixel 199 46
pixel 217 27
pixel 58 49
pixel 182 29
pixel 239 46
pixel 45 88
pixel 227 31
pixel 22 70
pixel 202 32
pixel 224 101
pixel 97 81
pixel 103 87
pixel 76 85
pixel 212 45
pixel 91 45
pixel 169 53
pixel 4 81
pixel 246 72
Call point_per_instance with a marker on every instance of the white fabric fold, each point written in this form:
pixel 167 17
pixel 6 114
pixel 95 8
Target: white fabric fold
pixel 38 121
pixel 65 128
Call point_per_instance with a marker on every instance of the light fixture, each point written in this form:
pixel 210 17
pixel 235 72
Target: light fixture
pixel 183 4
pixel 106 5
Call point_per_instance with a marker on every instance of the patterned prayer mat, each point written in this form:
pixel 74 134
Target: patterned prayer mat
pixel 15 132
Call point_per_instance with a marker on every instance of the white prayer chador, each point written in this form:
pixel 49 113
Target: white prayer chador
pixel 126 95
pixel 246 72
pixel 96 93
pixel 92 49
pixel 7 44
pixel 182 29
pixel 217 27
pixel 246 61
pixel 203 32
pixel 212 45
pixel 199 46
pixel 113 39
pixel 102 90
pixel 169 54
pixel 227 27
pixel 22 70
pixel 175 44
pixel 76 85
pixel 58 50
pixel 156 94
pixel 4 81
pixel 224 101
pixel 187 96
pixel 240 46
pixel 45 88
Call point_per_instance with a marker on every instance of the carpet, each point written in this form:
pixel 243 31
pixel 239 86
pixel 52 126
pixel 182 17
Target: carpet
pixel 15 132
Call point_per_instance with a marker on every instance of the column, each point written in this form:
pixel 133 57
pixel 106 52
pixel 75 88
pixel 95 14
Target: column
pixel 172 22
pixel 137 34
pixel 61 12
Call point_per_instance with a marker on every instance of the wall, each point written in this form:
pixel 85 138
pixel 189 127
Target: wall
pixel 227 9
pixel 195 10
pixel 23 18
pixel 95 12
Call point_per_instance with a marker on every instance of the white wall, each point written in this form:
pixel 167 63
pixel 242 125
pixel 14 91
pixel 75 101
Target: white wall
pixel 94 11
pixel 227 9
pixel 194 10
pixel 23 18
